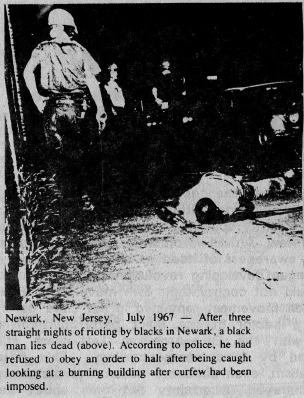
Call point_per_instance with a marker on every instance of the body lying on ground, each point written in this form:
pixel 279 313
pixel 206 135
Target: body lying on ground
pixel 217 196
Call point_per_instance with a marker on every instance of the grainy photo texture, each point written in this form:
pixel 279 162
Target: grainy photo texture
pixel 153 212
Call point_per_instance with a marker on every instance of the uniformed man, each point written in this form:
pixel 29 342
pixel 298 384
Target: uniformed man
pixel 68 84
pixel 166 141
pixel 169 89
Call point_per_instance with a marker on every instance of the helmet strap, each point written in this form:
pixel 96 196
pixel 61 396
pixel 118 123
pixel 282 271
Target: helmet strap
pixel 58 34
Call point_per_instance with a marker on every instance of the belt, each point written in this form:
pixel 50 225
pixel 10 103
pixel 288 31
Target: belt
pixel 69 100
pixel 71 96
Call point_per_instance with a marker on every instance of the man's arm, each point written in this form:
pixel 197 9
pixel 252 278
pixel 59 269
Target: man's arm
pixel 30 82
pixel 184 86
pixel 157 100
pixel 94 89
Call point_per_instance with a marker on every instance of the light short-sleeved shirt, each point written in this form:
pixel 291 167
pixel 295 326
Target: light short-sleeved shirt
pixel 223 190
pixel 64 66
pixel 115 93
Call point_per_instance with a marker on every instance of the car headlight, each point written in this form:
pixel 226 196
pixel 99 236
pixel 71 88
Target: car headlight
pixel 294 118
pixel 277 123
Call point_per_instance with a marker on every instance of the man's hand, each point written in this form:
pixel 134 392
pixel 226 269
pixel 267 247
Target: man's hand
pixel 59 141
pixel 101 118
pixel 289 174
pixel 54 141
pixel 40 102
pixel 94 89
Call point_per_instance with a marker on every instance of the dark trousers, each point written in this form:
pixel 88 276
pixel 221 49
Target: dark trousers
pixel 73 146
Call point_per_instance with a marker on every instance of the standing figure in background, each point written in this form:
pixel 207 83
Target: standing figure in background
pixel 114 91
pixel 166 141
pixel 169 89
pixel 117 138
pixel 68 84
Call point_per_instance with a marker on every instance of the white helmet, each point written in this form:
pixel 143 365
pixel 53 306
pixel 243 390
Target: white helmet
pixel 61 17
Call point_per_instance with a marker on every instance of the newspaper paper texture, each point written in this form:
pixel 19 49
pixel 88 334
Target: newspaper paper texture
pixel 153 200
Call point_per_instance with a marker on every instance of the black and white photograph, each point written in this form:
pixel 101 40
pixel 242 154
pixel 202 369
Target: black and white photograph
pixel 153 199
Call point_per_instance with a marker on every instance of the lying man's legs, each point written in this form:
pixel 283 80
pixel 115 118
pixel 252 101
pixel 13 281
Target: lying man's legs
pixel 217 196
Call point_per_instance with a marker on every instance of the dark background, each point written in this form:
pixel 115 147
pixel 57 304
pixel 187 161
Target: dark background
pixel 243 44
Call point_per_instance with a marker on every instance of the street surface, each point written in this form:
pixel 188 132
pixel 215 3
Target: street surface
pixel 138 260
pixel 139 264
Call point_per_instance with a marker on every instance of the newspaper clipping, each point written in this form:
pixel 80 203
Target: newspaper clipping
pixel 153 200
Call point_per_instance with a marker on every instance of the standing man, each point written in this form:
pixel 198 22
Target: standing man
pixel 68 83
pixel 120 141
pixel 114 91
pixel 170 88
pixel 166 144
pixel 116 137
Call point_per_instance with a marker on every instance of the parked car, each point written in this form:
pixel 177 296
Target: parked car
pixel 247 127
pixel 264 113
